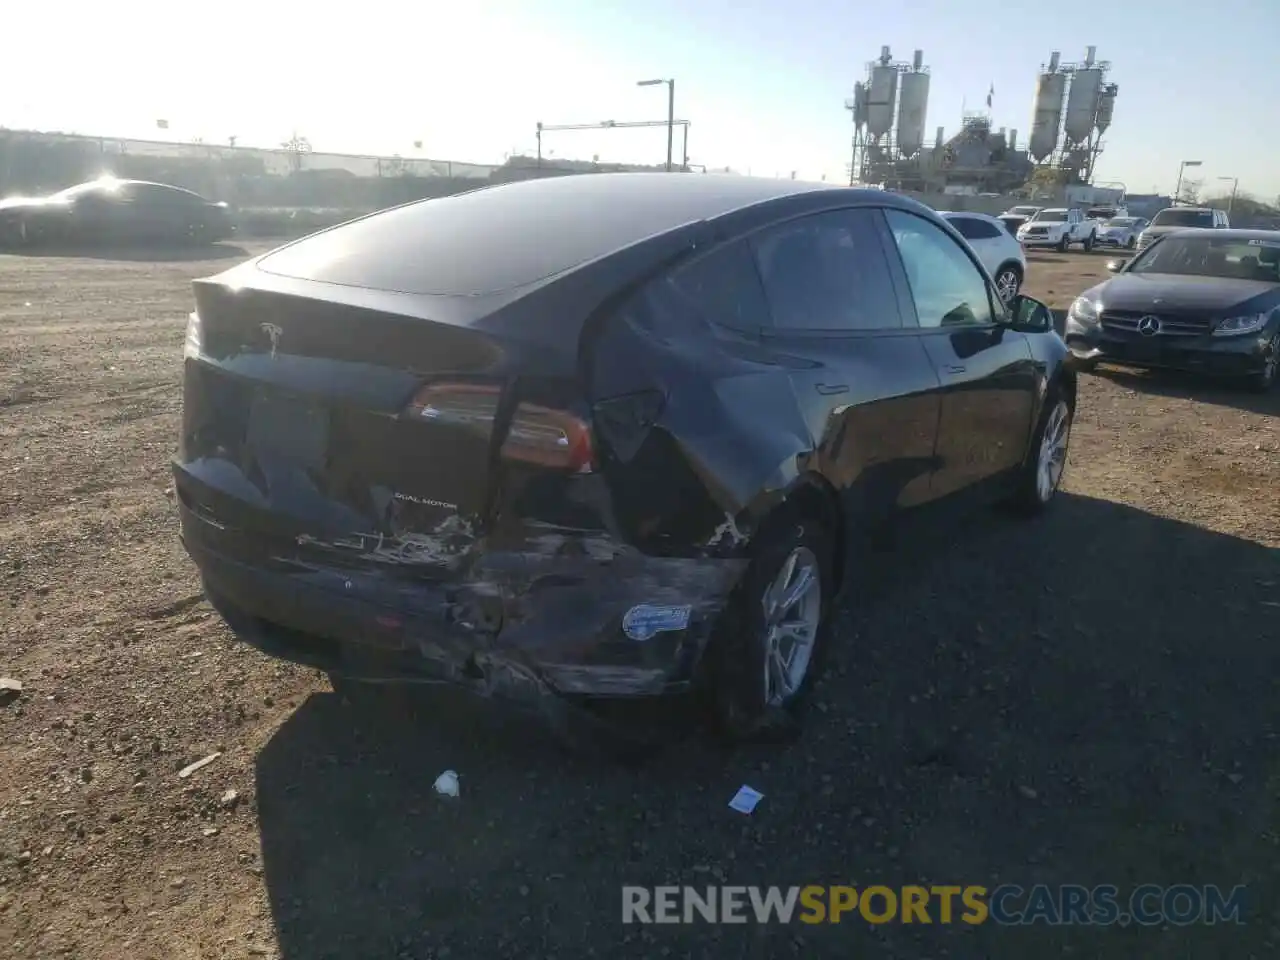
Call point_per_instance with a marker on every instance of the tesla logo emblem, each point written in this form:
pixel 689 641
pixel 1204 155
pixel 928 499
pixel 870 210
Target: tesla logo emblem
pixel 273 334
pixel 1149 326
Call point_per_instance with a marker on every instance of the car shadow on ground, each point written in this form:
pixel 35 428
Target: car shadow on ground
pixel 1190 386
pixel 1086 698
pixel 150 253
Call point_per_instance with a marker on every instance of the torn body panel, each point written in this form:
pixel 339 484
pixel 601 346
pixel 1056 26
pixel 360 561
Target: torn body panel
pixel 528 606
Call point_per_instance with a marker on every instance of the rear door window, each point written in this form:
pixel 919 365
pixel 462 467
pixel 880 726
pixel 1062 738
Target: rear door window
pixel 724 288
pixel 971 228
pixel 828 273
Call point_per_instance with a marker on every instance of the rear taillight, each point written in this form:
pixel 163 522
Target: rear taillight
pixel 464 405
pixel 540 435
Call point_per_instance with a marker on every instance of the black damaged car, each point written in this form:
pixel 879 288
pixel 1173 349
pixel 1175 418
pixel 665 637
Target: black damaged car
pixel 594 437
pixel 1196 300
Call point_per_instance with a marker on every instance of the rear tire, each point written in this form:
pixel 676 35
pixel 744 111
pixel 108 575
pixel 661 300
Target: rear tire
pixel 1041 475
pixel 1008 282
pixel 772 636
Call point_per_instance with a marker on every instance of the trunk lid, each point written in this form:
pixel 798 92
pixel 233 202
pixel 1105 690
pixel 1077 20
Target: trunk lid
pixel 317 426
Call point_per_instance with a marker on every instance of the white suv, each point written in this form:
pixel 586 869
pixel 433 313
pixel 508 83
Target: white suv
pixel 1058 227
pixel 999 252
pixel 1180 218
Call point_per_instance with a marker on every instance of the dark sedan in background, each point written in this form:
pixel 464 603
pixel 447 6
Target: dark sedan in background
pixel 108 210
pixel 1198 300
pixel 601 436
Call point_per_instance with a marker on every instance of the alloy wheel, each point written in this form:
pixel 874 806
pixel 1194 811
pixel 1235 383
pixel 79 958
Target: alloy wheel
pixel 792 605
pixel 1053 451
pixel 1007 284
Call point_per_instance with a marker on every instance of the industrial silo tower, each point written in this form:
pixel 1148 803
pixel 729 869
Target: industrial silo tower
pixel 1082 101
pixel 1046 114
pixel 913 105
pixel 882 95
pixel 1074 106
pixel 857 106
pixel 1106 107
pixel 889 109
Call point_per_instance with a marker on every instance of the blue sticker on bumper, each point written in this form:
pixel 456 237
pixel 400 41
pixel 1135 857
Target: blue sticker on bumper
pixel 645 621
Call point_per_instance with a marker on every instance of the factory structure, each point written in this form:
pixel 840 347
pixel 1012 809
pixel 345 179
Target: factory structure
pixel 1073 108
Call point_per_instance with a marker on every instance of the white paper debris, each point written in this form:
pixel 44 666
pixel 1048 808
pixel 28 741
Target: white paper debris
pixel 191 768
pixel 745 800
pixel 447 783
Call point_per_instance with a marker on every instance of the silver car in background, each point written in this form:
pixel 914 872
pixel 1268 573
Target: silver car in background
pixel 1121 232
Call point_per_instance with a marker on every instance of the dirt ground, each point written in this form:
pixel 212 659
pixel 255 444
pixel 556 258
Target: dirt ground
pixel 1086 698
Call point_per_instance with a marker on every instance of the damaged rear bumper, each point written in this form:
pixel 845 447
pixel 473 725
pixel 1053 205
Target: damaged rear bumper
pixel 522 624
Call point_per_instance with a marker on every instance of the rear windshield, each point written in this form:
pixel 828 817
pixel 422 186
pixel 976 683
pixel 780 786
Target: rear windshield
pixel 1183 218
pixel 1121 222
pixel 486 241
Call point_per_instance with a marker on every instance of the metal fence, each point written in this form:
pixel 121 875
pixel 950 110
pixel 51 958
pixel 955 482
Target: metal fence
pixel 36 162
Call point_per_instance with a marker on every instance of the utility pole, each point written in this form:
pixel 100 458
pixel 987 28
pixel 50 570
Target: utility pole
pixel 671 113
pixel 1235 185
pixel 1177 190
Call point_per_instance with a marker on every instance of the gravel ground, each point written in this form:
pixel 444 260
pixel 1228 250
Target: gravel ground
pixel 1086 698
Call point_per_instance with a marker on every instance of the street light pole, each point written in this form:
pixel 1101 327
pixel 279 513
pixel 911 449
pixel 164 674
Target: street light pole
pixel 1235 185
pixel 671 113
pixel 1177 190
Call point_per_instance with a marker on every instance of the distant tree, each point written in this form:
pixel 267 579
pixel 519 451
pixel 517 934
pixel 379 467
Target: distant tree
pixel 394 166
pixel 1189 192
pixel 297 146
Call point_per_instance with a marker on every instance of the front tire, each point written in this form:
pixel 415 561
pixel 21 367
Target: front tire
pixel 1063 244
pixel 1130 243
pixel 1041 474
pixel 771 638
pixel 1088 242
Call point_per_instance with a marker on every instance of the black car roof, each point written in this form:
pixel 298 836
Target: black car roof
pixel 501 237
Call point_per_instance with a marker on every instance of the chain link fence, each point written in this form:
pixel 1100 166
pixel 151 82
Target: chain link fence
pixel 34 163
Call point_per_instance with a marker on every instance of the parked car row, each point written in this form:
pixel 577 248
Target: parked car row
pixel 108 210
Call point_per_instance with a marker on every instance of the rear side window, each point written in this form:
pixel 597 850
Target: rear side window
pixel 155 195
pixel 972 228
pixel 828 272
pixel 724 288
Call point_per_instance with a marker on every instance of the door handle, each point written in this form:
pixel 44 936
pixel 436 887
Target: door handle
pixel 953 368
pixel 831 389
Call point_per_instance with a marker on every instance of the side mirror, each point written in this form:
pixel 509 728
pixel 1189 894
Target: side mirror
pixel 1115 266
pixel 1030 315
